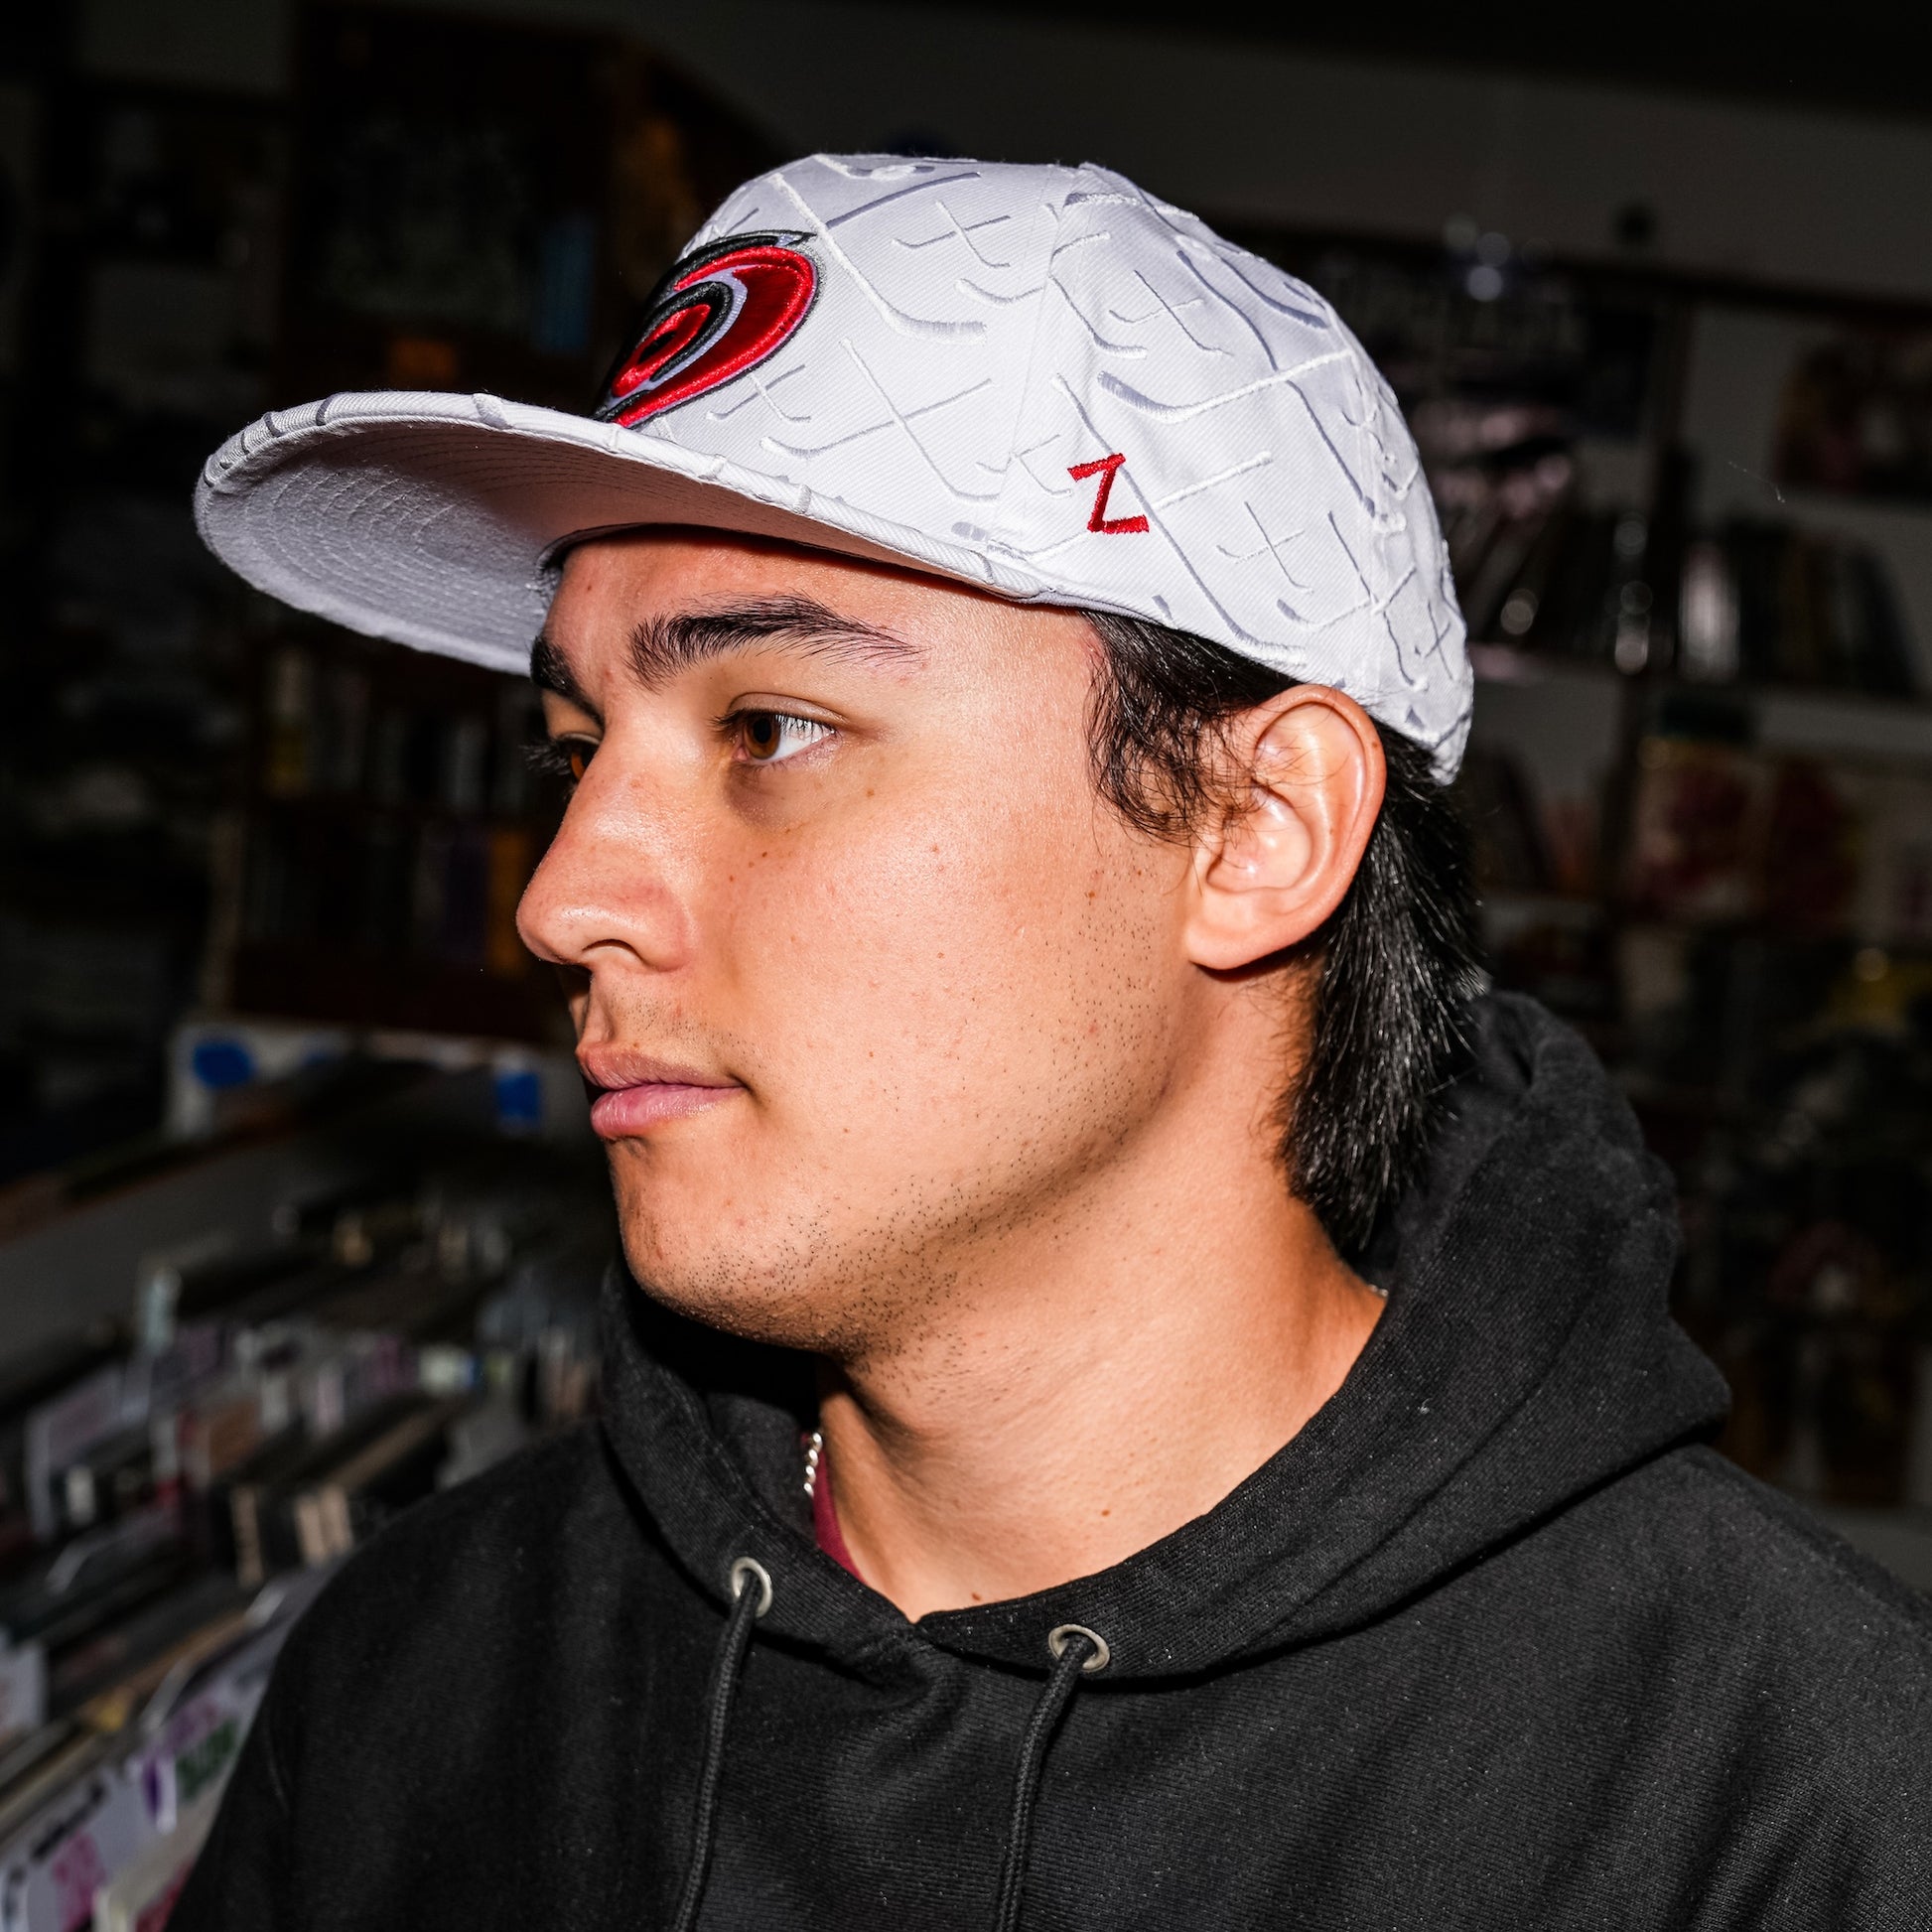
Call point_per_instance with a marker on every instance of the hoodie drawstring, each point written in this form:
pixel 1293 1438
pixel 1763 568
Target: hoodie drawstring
pixel 1077 1652
pixel 750 1586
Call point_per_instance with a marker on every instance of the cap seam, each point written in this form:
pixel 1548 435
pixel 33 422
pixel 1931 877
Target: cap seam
pixel 1002 522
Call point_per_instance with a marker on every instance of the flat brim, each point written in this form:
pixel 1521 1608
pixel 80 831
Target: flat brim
pixel 435 520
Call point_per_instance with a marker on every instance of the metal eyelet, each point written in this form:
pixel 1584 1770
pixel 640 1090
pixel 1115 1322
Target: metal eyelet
pixel 1057 1640
pixel 750 1567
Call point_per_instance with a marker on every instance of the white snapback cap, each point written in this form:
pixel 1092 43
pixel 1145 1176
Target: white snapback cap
pixel 1038 380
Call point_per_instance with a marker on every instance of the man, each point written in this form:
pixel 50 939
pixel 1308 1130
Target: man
pixel 1141 1399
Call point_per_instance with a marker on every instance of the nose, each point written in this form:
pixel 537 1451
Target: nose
pixel 607 893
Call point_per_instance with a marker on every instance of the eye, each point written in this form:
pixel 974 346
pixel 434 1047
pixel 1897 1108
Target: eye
pixel 772 737
pixel 564 758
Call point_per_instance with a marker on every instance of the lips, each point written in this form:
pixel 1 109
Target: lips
pixel 635 1092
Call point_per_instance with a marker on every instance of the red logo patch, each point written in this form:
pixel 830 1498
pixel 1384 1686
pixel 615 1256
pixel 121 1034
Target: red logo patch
pixel 1107 467
pixel 717 314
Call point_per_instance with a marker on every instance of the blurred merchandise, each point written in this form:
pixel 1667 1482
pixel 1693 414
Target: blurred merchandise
pixel 207 801
pixel 162 280
pixel 232 1070
pixel 1696 830
pixel 481 204
pixel 1483 321
pixel 383 836
pixel 1771 602
pixel 180 1475
pixel 1812 847
pixel 1804 846
pixel 1819 1189
pixel 1760 602
pixel 1856 416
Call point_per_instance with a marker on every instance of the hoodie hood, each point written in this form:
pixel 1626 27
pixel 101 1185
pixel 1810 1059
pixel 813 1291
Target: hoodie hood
pixel 1526 1357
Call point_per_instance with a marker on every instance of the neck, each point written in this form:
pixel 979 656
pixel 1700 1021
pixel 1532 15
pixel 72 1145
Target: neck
pixel 1109 1376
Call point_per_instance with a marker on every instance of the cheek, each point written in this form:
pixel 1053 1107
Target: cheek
pixel 973 974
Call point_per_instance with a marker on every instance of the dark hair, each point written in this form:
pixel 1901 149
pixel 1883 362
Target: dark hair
pixel 1395 964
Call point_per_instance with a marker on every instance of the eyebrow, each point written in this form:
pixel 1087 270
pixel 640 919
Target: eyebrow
pixel 662 646
pixel 550 671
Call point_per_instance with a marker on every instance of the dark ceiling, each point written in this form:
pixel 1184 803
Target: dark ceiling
pixel 1866 55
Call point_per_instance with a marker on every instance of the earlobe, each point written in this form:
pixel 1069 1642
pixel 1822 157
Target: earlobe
pixel 1273 871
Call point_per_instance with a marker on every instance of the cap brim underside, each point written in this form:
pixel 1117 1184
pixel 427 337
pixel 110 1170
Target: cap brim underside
pixel 432 524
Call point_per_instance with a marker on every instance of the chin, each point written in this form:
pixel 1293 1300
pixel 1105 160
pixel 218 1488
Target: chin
pixel 767 1277
pixel 750 1305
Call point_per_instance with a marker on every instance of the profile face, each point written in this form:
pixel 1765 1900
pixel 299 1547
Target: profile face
pixel 867 974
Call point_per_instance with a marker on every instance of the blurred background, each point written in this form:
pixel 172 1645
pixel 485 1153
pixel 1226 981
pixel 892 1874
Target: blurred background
pixel 296 1201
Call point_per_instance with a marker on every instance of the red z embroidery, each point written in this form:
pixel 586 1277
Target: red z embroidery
pixel 1106 468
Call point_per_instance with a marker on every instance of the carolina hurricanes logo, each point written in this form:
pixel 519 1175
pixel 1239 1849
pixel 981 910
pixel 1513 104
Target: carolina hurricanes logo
pixel 719 312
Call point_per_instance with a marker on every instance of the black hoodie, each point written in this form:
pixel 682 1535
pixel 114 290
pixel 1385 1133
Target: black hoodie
pixel 1494 1641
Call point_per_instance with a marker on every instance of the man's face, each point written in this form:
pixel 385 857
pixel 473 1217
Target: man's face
pixel 872 980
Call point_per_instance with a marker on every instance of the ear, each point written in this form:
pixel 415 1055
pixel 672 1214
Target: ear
pixel 1309 780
